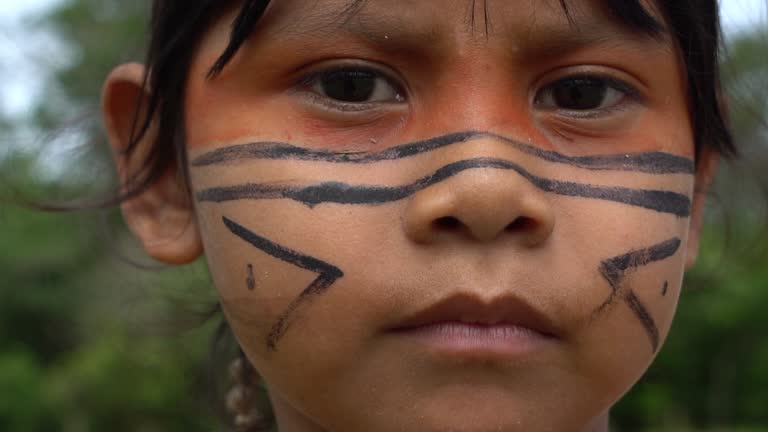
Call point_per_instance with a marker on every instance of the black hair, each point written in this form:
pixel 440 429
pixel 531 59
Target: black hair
pixel 176 29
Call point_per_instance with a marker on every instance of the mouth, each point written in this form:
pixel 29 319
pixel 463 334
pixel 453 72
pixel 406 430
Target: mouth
pixel 466 326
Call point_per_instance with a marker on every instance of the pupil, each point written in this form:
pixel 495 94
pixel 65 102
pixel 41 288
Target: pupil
pixel 582 94
pixel 349 86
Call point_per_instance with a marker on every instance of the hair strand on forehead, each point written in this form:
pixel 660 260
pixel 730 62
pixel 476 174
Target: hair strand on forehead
pixel 242 27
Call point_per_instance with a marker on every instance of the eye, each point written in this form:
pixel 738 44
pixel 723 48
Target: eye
pixel 354 86
pixel 584 93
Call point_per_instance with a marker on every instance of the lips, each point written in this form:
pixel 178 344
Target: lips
pixel 472 311
pixel 467 327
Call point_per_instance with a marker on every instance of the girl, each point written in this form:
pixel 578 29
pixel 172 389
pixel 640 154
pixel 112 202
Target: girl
pixel 471 217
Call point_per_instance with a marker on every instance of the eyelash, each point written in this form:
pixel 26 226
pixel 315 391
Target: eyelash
pixel 309 82
pixel 310 86
pixel 628 93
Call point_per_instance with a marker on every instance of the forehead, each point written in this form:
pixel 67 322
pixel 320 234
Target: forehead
pixel 421 19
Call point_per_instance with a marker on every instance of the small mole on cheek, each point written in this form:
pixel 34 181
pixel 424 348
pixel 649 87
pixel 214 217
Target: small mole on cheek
pixel 251 280
pixel 665 289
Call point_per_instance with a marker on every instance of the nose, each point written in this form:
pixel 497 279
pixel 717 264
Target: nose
pixel 482 205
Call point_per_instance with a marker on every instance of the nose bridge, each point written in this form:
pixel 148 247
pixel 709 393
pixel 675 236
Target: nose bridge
pixel 482 196
pixel 478 92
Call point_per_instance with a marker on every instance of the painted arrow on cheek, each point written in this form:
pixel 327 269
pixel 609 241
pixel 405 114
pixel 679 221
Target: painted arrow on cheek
pixel 615 270
pixel 328 275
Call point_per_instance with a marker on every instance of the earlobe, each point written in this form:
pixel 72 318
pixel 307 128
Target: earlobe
pixel 705 175
pixel 162 214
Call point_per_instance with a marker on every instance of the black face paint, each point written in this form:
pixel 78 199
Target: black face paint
pixel 342 193
pixel 649 162
pixel 665 289
pixel 615 270
pixel 328 275
pixel 250 281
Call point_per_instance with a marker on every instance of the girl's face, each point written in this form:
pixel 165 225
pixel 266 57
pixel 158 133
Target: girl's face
pixel 444 216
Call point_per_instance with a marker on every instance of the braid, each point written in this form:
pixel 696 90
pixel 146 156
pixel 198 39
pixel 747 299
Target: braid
pixel 242 399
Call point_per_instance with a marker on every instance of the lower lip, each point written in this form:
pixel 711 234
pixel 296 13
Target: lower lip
pixel 480 341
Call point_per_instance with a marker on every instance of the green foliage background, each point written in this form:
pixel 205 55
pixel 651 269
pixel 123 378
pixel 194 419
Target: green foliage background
pixel 90 342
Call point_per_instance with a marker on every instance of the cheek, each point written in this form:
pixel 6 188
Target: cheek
pixel 261 285
pixel 245 116
pixel 326 348
pixel 625 269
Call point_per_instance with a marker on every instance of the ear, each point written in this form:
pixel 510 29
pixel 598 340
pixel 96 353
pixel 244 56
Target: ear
pixel 705 174
pixel 162 215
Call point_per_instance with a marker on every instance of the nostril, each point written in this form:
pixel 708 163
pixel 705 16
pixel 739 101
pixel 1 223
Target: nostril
pixel 447 223
pixel 521 224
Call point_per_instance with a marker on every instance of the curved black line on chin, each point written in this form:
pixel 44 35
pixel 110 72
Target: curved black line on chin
pixel 342 193
pixel 648 162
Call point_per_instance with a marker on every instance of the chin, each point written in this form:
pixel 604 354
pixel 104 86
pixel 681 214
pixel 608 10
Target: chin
pixel 486 410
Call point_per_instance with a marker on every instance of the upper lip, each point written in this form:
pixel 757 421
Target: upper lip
pixel 472 309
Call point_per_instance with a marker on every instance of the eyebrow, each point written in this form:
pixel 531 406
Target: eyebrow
pixel 648 28
pixel 386 33
pixel 401 34
pixel 556 41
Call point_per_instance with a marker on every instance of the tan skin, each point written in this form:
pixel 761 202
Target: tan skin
pixel 340 367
